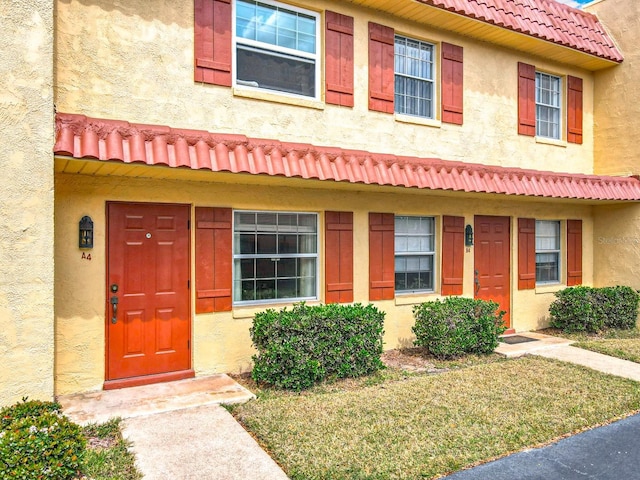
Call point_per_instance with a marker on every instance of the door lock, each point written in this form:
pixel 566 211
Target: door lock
pixel 114 308
pixel 476 280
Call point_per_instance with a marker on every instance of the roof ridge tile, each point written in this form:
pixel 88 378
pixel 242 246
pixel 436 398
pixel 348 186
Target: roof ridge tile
pixel 545 19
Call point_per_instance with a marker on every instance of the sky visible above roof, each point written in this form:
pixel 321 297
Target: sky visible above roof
pixel 575 3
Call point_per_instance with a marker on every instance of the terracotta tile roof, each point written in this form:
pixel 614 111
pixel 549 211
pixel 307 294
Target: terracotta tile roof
pixel 545 19
pixel 81 137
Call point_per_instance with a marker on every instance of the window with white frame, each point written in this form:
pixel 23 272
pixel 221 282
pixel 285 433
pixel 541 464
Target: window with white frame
pixel 548 105
pixel 275 256
pixel 414 77
pixel 414 254
pixel 547 251
pixel 277 47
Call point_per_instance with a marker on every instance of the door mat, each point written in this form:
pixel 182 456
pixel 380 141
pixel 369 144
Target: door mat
pixel 515 339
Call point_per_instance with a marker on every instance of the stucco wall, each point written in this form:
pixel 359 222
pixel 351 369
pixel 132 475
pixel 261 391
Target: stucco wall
pixel 616 105
pixel 221 341
pixel 616 247
pixel 133 61
pixel 26 201
pixel 617 112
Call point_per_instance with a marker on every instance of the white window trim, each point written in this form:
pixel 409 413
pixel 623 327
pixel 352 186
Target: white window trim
pixel 432 253
pixel 561 108
pixel 281 50
pixel 558 251
pixel 241 303
pixel 434 84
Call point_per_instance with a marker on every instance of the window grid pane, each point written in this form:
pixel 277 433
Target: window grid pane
pixel 548 105
pixel 414 69
pixel 276 48
pixel 547 251
pixel 414 253
pixel 275 257
pixel 275 25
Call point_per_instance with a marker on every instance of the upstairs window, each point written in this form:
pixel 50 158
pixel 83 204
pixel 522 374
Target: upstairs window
pixel 275 256
pixel 414 77
pixel 548 105
pixel 547 251
pixel 276 48
pixel 414 254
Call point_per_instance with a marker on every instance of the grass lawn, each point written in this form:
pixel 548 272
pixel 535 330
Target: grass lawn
pixel 107 456
pixel 396 425
pixel 623 344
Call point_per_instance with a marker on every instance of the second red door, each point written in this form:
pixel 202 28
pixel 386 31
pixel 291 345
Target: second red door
pixel 492 262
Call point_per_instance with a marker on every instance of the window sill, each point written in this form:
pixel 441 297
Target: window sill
pixel 415 298
pixel 249 311
pixel 274 97
pixel 551 141
pixel 550 288
pixel 427 122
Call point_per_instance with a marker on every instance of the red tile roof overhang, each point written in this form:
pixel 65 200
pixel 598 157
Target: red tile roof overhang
pixel 544 19
pixel 81 137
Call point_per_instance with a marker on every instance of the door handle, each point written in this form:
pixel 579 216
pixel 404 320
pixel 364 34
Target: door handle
pixel 476 281
pixel 114 308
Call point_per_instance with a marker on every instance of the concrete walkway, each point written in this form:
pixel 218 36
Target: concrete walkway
pixel 533 343
pixel 596 361
pixel 179 430
pixel 197 443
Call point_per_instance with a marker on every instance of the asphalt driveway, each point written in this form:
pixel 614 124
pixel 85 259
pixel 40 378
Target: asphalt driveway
pixel 611 452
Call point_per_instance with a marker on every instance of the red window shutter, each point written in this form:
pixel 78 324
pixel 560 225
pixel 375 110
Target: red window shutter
pixel 526 99
pixel 212 36
pixel 452 91
pixel 214 258
pixel 338 257
pixel 526 253
pixel 381 256
pixel 381 68
pixel 339 59
pixel 574 110
pixel 574 252
pixel 452 255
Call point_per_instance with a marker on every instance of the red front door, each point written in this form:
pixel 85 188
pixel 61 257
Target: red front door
pixel 492 262
pixel 149 328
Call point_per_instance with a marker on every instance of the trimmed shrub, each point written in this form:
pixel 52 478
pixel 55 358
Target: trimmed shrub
pixel 38 442
pixel 457 325
pixel 620 306
pixel 588 309
pixel 576 310
pixel 307 344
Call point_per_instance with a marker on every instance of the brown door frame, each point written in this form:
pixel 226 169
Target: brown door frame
pixel 154 378
pixel 507 270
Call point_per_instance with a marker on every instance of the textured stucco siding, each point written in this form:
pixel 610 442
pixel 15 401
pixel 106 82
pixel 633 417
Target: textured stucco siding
pixel 26 201
pixel 617 150
pixel 616 245
pixel 133 61
pixel 221 340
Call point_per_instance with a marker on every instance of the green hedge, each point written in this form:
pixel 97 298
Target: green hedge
pixel 307 344
pixel 38 442
pixel 457 326
pixel 588 309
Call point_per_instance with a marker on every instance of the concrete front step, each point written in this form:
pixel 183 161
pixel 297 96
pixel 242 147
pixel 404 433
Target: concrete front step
pixel 540 342
pixel 98 407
